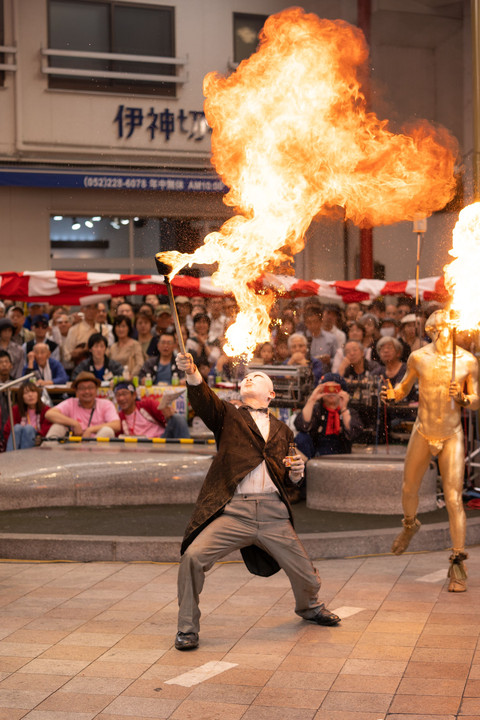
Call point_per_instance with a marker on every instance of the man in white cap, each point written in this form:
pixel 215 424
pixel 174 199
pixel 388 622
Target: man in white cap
pixel 243 503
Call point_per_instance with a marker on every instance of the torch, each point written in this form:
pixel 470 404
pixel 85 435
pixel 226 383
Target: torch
pixel 164 269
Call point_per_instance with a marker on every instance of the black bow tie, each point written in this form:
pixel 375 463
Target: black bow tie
pixel 252 409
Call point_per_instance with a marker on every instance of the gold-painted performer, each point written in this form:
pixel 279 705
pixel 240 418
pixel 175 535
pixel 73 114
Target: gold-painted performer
pixel 438 431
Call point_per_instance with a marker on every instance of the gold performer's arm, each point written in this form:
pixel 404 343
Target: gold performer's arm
pixel 402 388
pixel 469 399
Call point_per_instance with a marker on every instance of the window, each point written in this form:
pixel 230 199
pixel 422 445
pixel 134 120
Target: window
pixel 246 29
pixel 123 244
pixel 88 38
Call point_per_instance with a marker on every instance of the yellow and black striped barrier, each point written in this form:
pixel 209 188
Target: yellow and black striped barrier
pixel 150 441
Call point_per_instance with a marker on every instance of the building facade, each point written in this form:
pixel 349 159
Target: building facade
pixel 105 151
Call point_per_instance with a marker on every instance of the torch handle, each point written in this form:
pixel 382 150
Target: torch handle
pixel 176 321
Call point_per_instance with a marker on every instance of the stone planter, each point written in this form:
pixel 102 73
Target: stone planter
pixel 358 483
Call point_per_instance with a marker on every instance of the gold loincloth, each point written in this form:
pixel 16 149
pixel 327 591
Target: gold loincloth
pixel 436 445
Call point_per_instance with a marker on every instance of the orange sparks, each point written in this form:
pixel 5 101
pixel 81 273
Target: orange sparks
pixel 461 275
pixel 292 139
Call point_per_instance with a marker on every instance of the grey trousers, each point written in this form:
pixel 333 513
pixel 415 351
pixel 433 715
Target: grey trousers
pixel 247 520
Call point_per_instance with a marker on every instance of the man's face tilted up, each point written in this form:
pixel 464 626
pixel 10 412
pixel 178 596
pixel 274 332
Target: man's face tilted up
pixel 256 389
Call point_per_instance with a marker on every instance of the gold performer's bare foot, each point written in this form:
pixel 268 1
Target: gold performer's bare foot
pixel 402 541
pixel 457 572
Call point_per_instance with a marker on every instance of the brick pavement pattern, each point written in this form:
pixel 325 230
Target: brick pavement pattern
pixel 80 641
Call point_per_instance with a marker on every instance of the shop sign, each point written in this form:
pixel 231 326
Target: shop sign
pixel 161 124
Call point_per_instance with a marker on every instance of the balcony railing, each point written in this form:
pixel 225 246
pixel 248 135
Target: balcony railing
pixel 152 60
pixel 9 65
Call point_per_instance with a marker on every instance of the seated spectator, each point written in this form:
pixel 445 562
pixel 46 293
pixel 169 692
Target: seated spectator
pixel 40 328
pixel 85 415
pixel 143 418
pixel 161 367
pixel 355 366
pixel 125 350
pixel 392 367
pixel 29 421
pixel 326 425
pixel 61 326
pixel 204 351
pixel 298 347
pixel 75 347
pixel 20 333
pixel 98 362
pixel 322 345
pixel 48 371
pixel 6 368
pixel 17 356
pixel 282 351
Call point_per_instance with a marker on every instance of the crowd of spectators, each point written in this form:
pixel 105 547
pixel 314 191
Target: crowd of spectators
pixel 362 344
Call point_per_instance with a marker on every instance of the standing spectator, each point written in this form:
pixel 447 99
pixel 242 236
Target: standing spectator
pixel 3 309
pixel 144 327
pixel 163 320
pixel 184 310
pixel 352 311
pixel 40 329
pixel 85 415
pixel 231 310
pixel 97 362
pixel 60 328
pixel 205 352
pixel 218 320
pixel 410 332
pixel 391 310
pixel 152 300
pixel 143 418
pixel 125 350
pixel 160 367
pixel 114 303
pixel 47 370
pixel 29 421
pixel 16 353
pixel 20 333
pixel 6 369
pixel 326 425
pixel 75 347
pixel 323 345
pixel 332 317
pixel 405 306
pixel 102 320
pixel 34 309
pixel 371 326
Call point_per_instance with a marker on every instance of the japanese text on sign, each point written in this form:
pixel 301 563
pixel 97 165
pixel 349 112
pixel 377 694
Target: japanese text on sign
pixel 161 124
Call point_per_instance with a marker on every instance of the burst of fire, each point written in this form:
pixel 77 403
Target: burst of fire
pixel 292 139
pixel 461 275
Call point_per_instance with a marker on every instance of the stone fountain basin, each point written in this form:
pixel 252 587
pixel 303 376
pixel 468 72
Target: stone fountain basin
pixel 364 483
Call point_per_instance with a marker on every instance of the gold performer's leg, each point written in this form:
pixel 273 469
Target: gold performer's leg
pixel 417 460
pixel 452 465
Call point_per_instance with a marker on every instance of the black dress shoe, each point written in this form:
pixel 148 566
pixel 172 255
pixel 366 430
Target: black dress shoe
pixel 186 641
pixel 324 617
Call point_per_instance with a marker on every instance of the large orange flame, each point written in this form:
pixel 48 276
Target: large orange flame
pixel 461 275
pixel 292 139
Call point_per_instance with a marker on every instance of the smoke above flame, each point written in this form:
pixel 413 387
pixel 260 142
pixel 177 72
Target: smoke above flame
pixel 461 275
pixel 292 138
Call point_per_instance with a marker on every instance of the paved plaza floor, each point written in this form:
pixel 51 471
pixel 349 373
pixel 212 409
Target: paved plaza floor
pixel 95 640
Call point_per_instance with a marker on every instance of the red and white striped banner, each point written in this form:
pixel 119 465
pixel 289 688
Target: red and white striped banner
pixel 59 287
